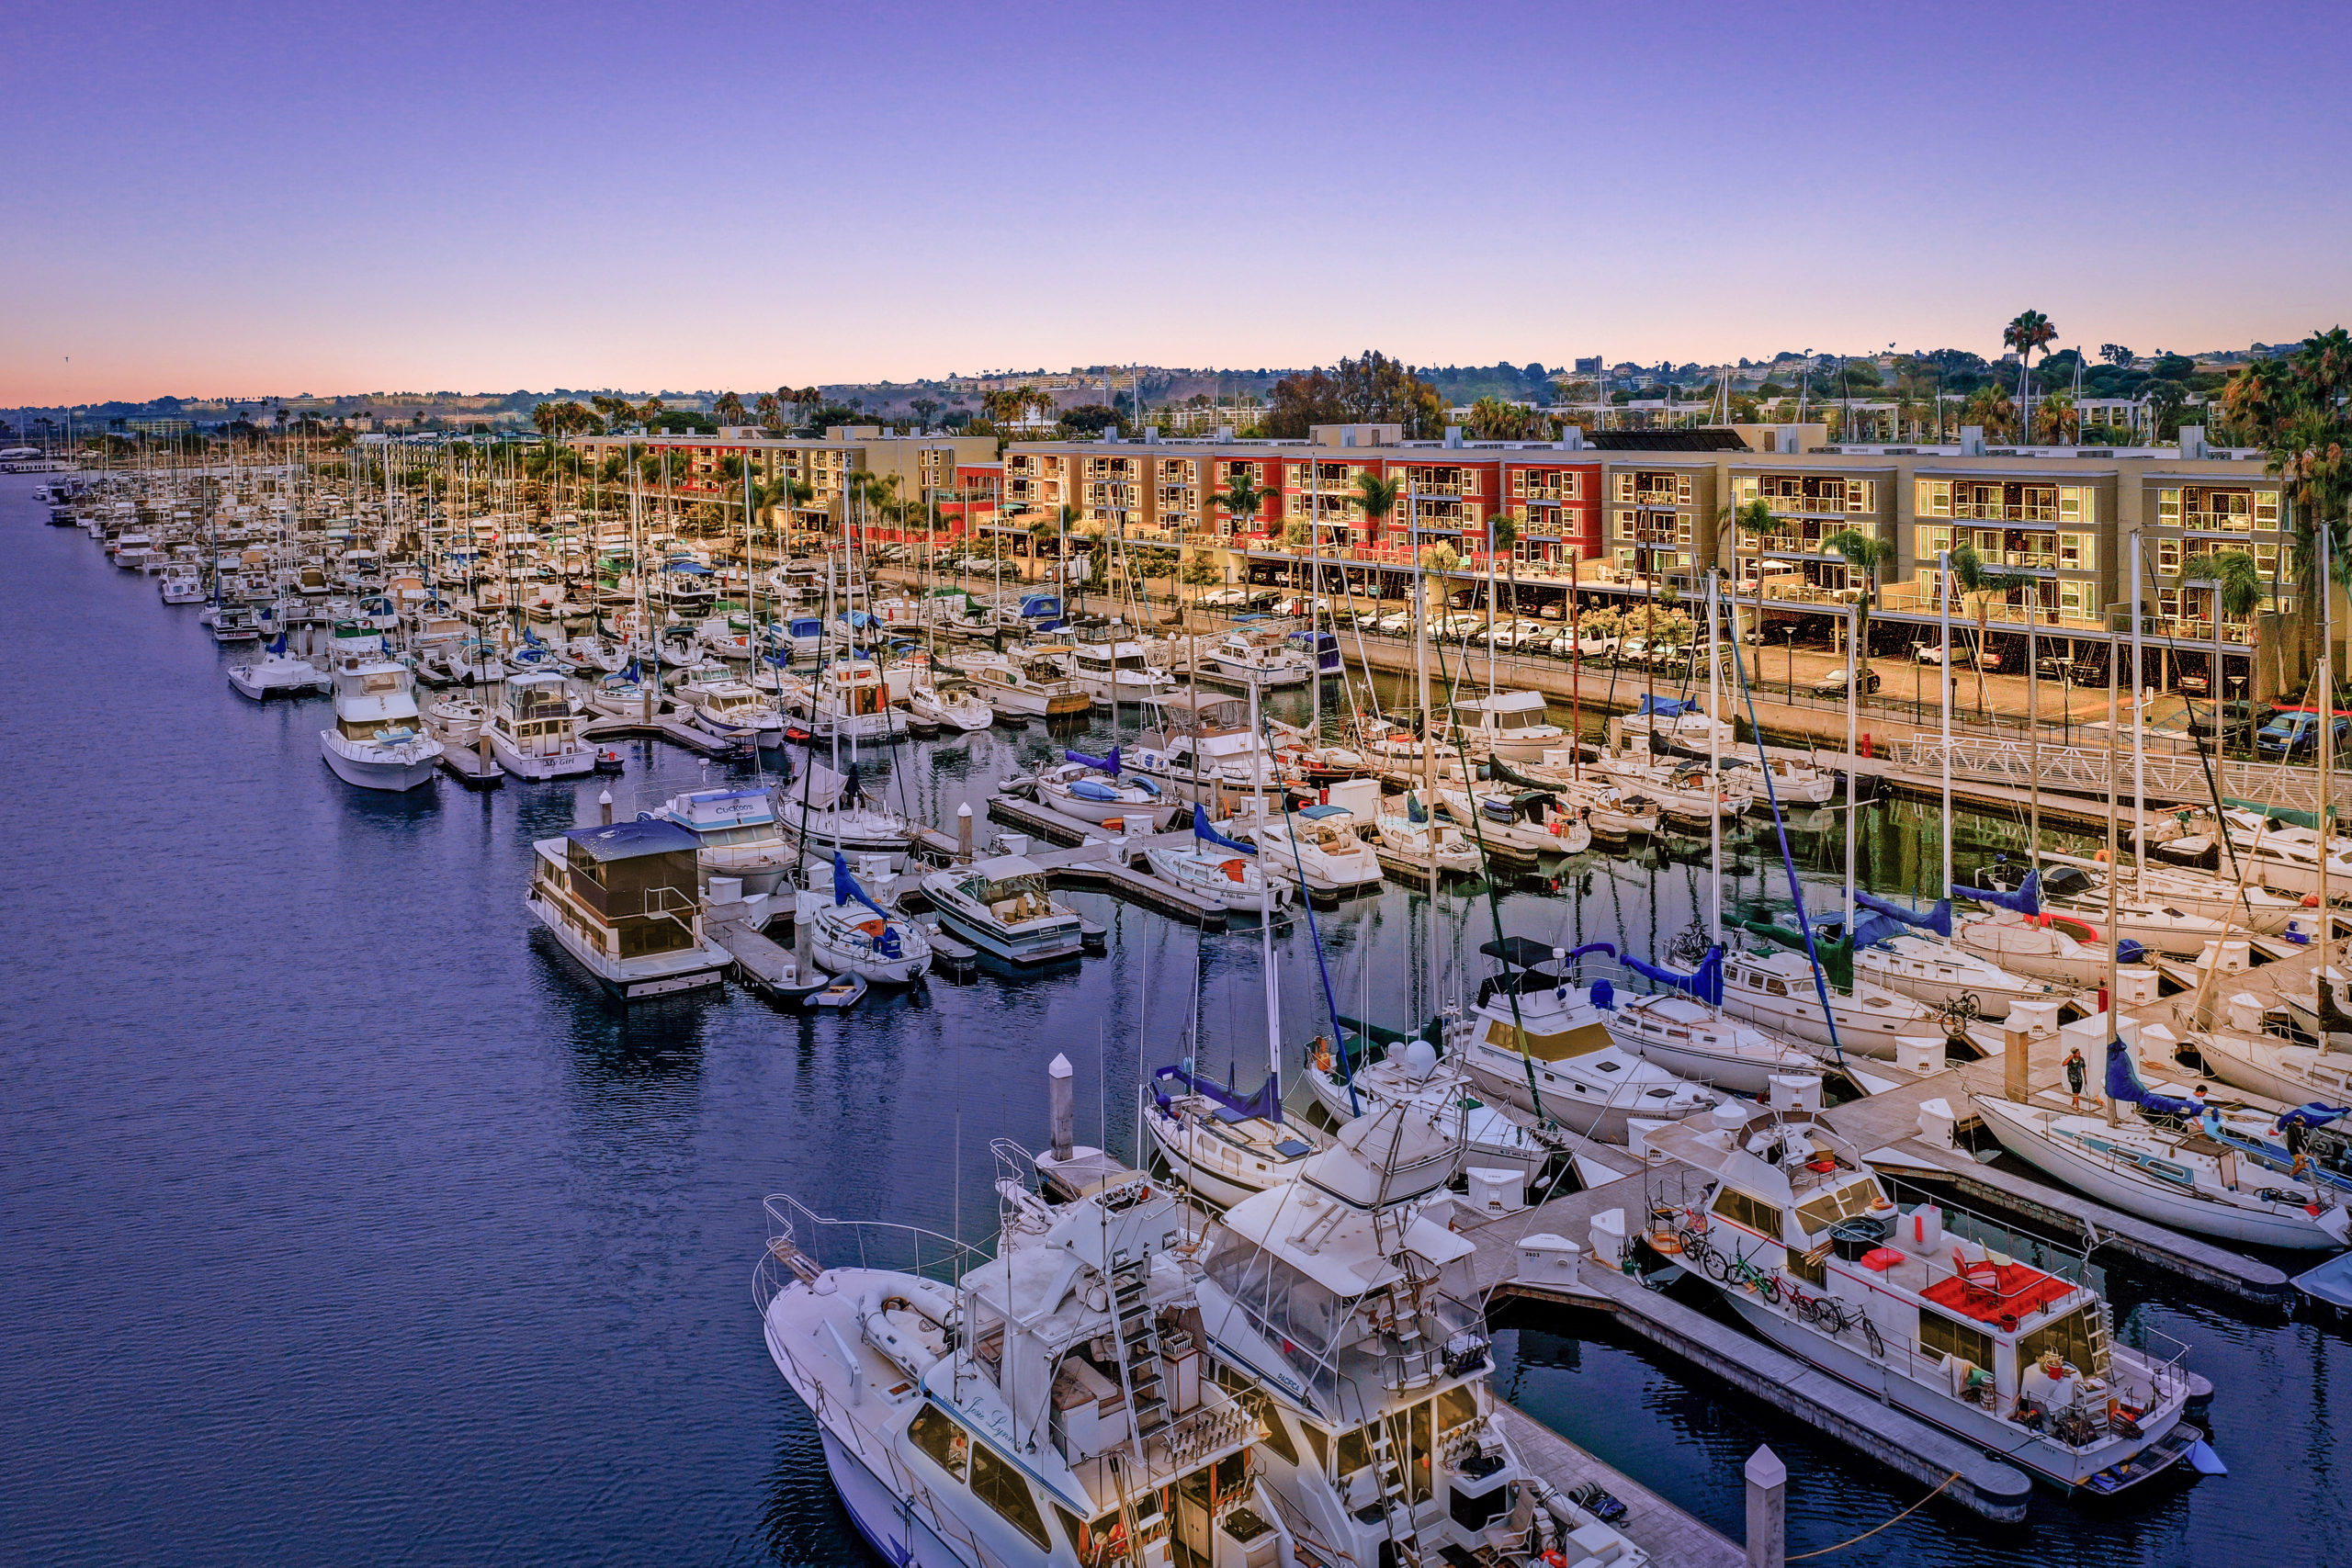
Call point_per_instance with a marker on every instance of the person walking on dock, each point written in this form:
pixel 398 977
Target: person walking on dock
pixel 2076 1069
pixel 2297 1138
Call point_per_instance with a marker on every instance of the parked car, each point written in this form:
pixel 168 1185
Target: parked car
pixel 1223 599
pixel 1933 653
pixel 2296 734
pixel 2195 686
pixel 2237 719
pixel 1834 683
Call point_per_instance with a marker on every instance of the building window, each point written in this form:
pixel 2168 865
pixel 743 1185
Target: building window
pixel 2073 599
pixel 1930 542
pixel 2078 552
pixel 2168 556
pixel 1932 498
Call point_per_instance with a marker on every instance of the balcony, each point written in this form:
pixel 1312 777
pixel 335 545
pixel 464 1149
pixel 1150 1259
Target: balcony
pixel 2224 522
pixel 1990 512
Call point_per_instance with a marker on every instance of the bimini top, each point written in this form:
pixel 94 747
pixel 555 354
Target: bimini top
pixel 628 840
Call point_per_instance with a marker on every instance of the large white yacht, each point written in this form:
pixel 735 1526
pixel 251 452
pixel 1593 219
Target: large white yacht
pixel 1203 745
pixel 534 732
pixel 1318 845
pixel 1066 1399
pixel 1510 725
pixel 276 673
pixel 1115 674
pixel 377 740
pixel 1003 905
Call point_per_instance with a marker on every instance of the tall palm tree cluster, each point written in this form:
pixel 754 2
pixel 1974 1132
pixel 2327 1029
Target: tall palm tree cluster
pixel 2297 408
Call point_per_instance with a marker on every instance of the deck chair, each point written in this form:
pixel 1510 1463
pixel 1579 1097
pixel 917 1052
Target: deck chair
pixel 1979 1276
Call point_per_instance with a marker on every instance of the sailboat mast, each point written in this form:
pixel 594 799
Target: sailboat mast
pixel 1853 783
pixel 1715 765
pixel 2114 951
pixel 2139 730
pixel 2326 815
pixel 1943 675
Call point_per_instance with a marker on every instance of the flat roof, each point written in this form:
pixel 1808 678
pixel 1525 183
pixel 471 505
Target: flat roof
pixel 628 840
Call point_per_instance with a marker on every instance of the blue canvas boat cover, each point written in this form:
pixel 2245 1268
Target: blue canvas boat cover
pixel 1201 830
pixel 1267 1102
pixel 1705 983
pixel 2026 900
pixel 1937 920
pixel 1108 764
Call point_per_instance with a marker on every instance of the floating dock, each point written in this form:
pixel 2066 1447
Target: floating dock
pixel 470 768
pixel 663 726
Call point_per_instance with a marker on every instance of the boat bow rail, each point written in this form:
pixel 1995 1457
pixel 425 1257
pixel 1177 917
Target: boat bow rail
pixel 803 1244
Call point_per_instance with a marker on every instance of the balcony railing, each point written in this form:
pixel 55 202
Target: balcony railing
pixel 2224 522
pixel 1995 513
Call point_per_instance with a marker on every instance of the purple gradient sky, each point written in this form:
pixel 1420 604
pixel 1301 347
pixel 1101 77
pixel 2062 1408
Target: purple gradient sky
pixel 260 198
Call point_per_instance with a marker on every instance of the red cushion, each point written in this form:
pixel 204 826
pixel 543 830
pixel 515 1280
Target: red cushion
pixel 1881 1259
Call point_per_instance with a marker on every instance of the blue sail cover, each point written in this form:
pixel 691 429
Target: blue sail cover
pixel 277 646
pixel 1108 764
pixel 1937 920
pixel 1267 1102
pixel 1664 707
pixel 2123 1083
pixel 2026 900
pixel 1201 830
pixel 1705 983
pixel 632 674
pixel 845 887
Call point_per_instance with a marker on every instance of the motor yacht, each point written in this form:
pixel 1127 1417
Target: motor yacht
pixel 1513 726
pixel 1001 905
pixel 1115 674
pixel 1260 658
pixel 534 730
pixel 1317 845
pixel 377 740
pixel 181 584
pixel 276 675
pixel 848 699
pixel 457 718
pixel 738 834
pixel 1022 686
pixel 1202 746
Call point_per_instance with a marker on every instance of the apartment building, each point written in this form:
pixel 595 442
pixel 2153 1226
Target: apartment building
pixel 945 469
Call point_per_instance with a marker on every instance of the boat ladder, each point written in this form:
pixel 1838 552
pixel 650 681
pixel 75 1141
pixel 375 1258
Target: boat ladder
pixel 1395 1501
pixel 1138 1338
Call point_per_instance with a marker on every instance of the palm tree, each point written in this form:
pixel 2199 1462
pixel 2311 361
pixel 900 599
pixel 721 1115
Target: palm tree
pixel 1864 553
pixel 1980 585
pixel 1243 498
pixel 2237 595
pixel 2029 332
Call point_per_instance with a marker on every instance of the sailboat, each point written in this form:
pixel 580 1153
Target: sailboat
pixel 851 934
pixel 1091 789
pixel 2162 1167
pixel 1224 871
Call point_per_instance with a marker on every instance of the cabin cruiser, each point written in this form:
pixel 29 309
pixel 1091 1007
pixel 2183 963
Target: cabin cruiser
pixel 1116 673
pixel 1222 870
pixel 1092 790
pixel 1513 726
pixel 234 623
pixel 2017 1359
pixel 948 701
pixel 181 584
pixel 737 834
pixel 2285 855
pixel 1535 1040
pixel 851 934
pixel 1202 746
pixel 1369 1075
pixel 534 730
pixel 848 699
pixel 1792 781
pixel 728 710
pixel 1001 905
pixel 457 718
pixel 379 739
pixel 1023 685
pixel 276 673
pixel 1687 796
pixel 1258 658
pixel 622 900
pixel 2163 1165
pixel 1318 845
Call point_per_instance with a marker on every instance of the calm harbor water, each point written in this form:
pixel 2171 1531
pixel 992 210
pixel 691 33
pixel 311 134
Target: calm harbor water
pixel 345 1223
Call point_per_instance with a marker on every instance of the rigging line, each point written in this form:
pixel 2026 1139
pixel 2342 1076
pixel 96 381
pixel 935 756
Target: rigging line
pixel 1781 830
pixel 1494 902
pixel 1298 864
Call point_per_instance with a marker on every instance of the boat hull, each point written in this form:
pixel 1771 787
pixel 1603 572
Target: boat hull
pixel 635 980
pixel 1978 1428
pixel 391 772
pixel 2146 1199
pixel 571 762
